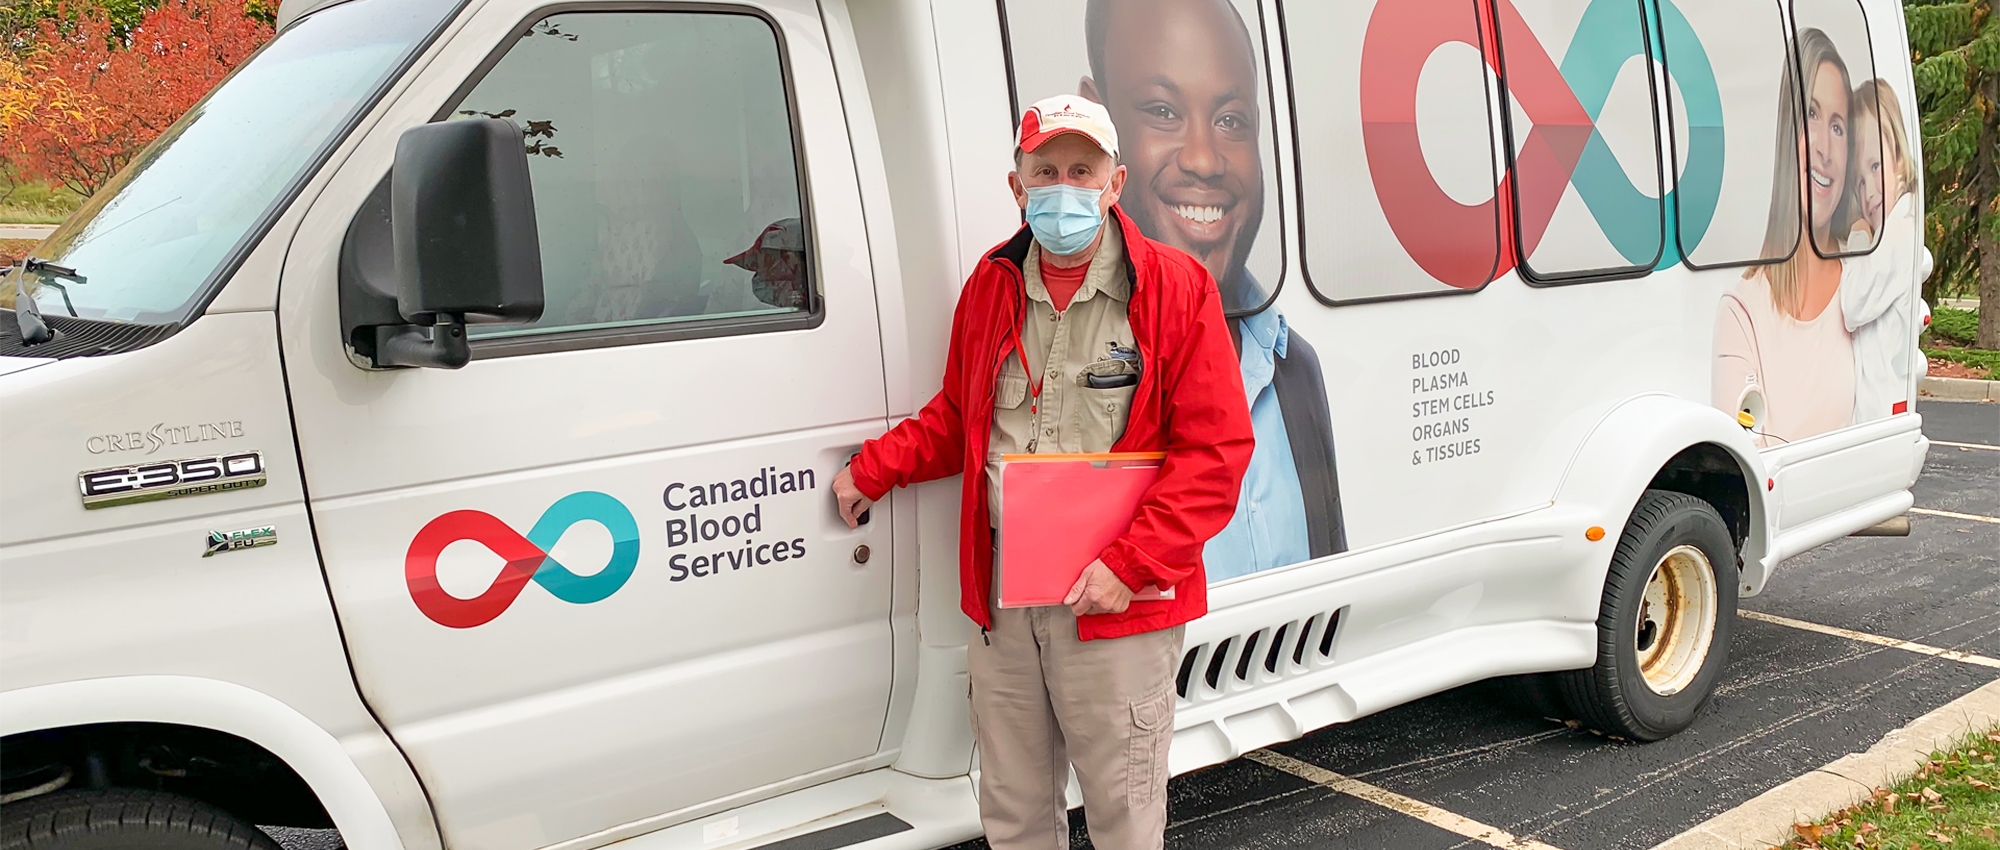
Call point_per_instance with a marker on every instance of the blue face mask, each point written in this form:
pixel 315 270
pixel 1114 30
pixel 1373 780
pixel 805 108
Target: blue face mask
pixel 1064 218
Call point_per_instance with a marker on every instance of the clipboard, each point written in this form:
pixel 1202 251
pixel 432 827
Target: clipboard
pixel 1058 512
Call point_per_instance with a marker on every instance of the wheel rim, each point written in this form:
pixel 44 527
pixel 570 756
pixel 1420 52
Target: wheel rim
pixel 1676 620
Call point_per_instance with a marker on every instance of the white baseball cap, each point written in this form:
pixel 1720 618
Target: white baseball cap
pixel 1068 113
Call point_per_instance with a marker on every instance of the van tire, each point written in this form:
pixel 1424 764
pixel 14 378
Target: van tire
pixel 117 818
pixel 1678 548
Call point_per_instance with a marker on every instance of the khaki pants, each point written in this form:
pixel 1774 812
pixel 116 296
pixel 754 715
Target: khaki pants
pixel 1043 700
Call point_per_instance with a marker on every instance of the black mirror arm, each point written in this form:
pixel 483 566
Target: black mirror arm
pixel 442 345
pixel 27 316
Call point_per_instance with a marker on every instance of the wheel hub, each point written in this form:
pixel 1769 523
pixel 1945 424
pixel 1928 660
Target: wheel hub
pixel 1676 624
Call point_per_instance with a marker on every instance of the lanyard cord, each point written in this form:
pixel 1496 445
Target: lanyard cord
pixel 1034 378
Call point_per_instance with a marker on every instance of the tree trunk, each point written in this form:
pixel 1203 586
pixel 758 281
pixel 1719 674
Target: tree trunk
pixel 1985 190
pixel 1989 288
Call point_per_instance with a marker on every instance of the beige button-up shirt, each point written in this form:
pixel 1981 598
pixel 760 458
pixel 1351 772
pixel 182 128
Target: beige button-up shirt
pixel 1063 348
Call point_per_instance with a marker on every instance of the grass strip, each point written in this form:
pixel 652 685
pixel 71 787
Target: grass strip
pixel 1951 803
pixel 35 203
pixel 1974 357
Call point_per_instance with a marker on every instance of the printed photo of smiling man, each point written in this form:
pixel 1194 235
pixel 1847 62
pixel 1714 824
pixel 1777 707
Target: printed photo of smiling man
pixel 1180 79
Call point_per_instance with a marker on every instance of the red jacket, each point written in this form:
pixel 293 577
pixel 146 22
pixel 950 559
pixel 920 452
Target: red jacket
pixel 1189 404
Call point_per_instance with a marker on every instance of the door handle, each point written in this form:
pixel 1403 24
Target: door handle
pixel 863 518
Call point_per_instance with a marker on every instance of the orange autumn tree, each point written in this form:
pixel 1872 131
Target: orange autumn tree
pixel 83 99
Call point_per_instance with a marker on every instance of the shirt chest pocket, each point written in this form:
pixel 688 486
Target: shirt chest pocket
pixel 1010 389
pixel 1106 388
pixel 1104 414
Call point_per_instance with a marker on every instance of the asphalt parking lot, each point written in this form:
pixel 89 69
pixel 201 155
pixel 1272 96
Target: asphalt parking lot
pixel 1791 701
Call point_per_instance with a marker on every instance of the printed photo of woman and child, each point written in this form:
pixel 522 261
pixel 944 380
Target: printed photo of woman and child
pixel 1827 338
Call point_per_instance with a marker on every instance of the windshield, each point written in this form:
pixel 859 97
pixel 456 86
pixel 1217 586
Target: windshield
pixel 147 245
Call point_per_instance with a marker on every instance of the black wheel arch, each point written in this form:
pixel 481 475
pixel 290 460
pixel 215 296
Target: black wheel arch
pixel 223 770
pixel 1712 474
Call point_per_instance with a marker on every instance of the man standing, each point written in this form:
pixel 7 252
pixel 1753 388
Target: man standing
pixel 1179 79
pixel 1078 335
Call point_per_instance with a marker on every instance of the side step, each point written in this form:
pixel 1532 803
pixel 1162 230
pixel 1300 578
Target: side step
pixel 881 809
pixel 844 835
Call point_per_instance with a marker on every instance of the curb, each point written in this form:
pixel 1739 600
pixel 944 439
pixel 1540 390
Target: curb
pixel 1959 389
pixel 1766 821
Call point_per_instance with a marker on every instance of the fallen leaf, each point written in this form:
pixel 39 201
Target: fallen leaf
pixel 1988 833
pixel 1808 831
pixel 1931 794
pixel 1889 805
pixel 1978 784
pixel 1939 837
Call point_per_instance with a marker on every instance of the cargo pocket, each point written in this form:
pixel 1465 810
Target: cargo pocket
pixel 1152 728
pixel 971 711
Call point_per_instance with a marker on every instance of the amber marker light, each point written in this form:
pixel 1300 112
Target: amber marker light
pixel 1594 533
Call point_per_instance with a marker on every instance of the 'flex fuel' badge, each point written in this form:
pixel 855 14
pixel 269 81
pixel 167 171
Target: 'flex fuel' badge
pixel 248 538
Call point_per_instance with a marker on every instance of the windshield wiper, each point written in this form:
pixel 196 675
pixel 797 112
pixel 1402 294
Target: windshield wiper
pixel 27 315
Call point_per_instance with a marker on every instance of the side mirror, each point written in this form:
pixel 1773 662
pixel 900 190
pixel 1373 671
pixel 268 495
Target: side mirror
pixel 447 239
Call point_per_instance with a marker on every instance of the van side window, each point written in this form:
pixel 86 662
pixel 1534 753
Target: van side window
pixel 667 185
pixel 1735 133
pixel 1582 138
pixel 1400 203
pixel 1840 106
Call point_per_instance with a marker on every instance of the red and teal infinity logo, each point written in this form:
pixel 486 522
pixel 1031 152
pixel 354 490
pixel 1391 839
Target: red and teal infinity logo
pixel 1565 147
pixel 527 558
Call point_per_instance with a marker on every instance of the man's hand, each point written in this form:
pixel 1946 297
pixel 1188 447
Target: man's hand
pixel 1097 591
pixel 849 499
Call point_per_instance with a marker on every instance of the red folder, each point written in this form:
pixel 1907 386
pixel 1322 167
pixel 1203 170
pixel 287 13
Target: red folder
pixel 1058 512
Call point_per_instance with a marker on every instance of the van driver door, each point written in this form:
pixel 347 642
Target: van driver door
pixel 594 580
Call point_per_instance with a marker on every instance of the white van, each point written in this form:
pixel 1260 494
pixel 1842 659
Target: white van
pixel 451 400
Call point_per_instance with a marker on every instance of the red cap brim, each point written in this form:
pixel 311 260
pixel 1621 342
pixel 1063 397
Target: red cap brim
pixel 1035 140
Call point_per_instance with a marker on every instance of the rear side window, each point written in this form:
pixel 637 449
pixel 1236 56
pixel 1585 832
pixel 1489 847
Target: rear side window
pixel 1735 132
pixel 1585 146
pixel 1401 203
pixel 666 178
pixel 1840 106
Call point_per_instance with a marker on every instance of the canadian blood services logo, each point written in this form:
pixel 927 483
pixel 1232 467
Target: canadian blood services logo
pixel 527 558
pixel 1563 149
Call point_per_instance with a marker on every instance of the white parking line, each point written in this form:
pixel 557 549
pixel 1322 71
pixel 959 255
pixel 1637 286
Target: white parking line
pixel 1396 802
pixel 1980 446
pixel 1949 515
pixel 1878 640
